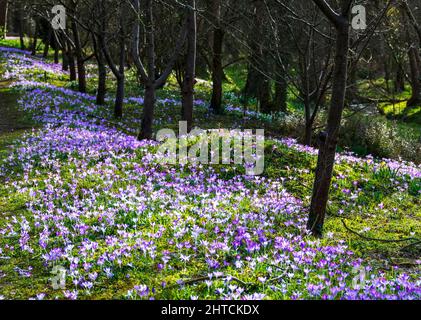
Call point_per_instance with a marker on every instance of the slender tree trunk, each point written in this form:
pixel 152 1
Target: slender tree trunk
pixel 119 100
pixel 150 87
pixel 399 79
pixel 35 38
pixel 56 55
pixel 19 24
pixel 64 54
pixel 102 79
pixel 79 58
pixel 71 60
pixel 386 72
pixel 329 139
pixel 415 77
pixel 56 45
pixel 250 89
pixel 264 95
pixel 148 112
pixel 102 71
pixel 3 18
pixel 217 72
pixel 217 68
pixel 148 74
pixel 308 131
pixel 308 134
pixel 189 78
pixel 47 43
pixel 65 60
pixel 281 92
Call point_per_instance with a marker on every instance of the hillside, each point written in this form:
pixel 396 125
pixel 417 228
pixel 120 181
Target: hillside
pixel 80 191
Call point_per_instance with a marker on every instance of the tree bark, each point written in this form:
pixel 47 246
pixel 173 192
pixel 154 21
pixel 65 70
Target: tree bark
pixel 217 67
pixel 413 53
pixel 399 79
pixel 415 77
pixel 250 89
pixel 17 13
pixel 47 43
pixel 264 95
pixel 281 93
pixel 56 55
pixel 35 38
pixel 102 71
pixel 148 74
pixel 71 60
pixel 3 18
pixel 65 60
pixel 190 72
pixel 308 134
pixel 79 58
pixel 119 100
pixel 328 140
pixel 102 78
pixel 217 71
pixel 148 112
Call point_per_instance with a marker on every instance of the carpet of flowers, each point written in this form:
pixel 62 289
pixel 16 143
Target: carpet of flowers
pixel 98 203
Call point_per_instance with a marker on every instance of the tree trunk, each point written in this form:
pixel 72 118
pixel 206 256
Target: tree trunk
pixel 386 74
pixel 3 18
pixel 329 139
pixel 148 112
pixel 189 77
pixel 264 96
pixel 250 89
pixel 79 58
pixel 102 71
pixel 72 67
pixel 308 131
pixel 19 24
pixel 217 71
pixel 119 97
pixel 150 84
pixel 399 79
pixel 281 93
pixel 65 60
pixel 148 75
pixel 35 38
pixel 308 134
pixel 47 43
pixel 56 55
pixel 118 107
pixel 64 54
pixel 102 79
pixel 415 77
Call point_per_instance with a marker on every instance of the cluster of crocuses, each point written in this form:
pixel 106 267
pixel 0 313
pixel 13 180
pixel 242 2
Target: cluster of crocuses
pixel 401 168
pixel 100 206
pixel 21 66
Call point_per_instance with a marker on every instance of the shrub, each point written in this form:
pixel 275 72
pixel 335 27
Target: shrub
pixel 380 137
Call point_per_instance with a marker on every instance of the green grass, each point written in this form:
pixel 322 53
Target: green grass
pixel 379 208
pixel 15 43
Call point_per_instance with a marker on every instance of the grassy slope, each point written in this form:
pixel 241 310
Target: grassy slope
pixel 297 169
